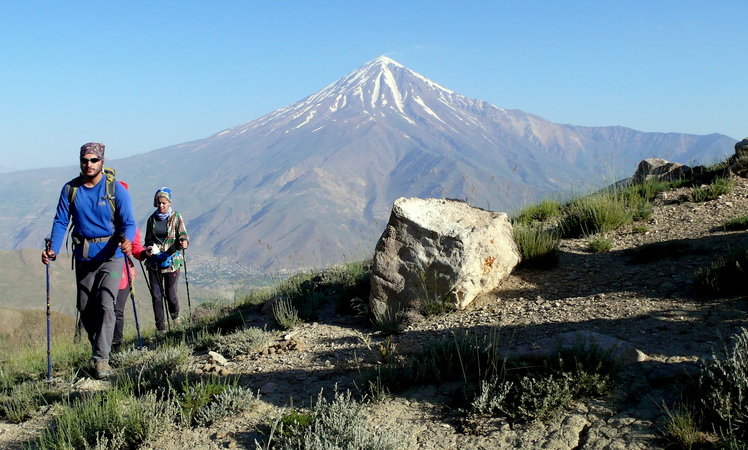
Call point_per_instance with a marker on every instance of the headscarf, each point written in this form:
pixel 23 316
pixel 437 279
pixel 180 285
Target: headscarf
pixel 93 148
pixel 164 192
pixel 161 192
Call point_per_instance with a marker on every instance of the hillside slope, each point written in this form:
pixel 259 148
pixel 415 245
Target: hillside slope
pixel 651 305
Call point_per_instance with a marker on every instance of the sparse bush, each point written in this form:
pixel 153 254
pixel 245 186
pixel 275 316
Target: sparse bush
pixel 542 212
pixel 22 401
pixel 434 295
pixel 194 396
pixel 719 186
pixel 594 214
pixel 230 401
pixel 538 246
pixel 736 224
pixel 526 391
pixel 387 320
pixel 285 313
pixel 682 428
pixel 640 229
pixel 641 209
pixel 461 356
pixel 647 190
pixel 242 342
pixel 599 244
pixel 157 371
pixel 341 423
pixel 725 276
pixel 294 423
pixel 111 419
pixel 722 387
pixel 354 282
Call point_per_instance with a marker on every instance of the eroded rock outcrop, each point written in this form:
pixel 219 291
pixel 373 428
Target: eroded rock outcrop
pixel 659 168
pixel 437 249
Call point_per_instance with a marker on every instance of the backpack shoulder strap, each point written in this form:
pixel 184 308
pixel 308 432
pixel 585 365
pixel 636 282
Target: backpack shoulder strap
pixel 111 187
pixel 71 189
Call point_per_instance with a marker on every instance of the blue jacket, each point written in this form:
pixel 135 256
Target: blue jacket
pixel 92 218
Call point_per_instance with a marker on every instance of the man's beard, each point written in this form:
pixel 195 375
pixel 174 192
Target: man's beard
pixel 96 172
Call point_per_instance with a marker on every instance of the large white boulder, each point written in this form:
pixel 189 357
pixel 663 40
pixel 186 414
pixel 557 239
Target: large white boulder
pixel 437 249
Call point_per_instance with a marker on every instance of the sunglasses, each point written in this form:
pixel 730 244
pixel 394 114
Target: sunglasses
pixel 92 160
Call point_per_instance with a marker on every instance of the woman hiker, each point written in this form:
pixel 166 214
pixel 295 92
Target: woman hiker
pixel 165 235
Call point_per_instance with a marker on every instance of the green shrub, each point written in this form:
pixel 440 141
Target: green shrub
pixel 387 320
pixel 725 276
pixel 229 401
pixel 594 214
pixel 242 342
pixel 736 224
pixel 526 390
pixel 157 370
pixel 682 427
pixel 285 313
pixel 434 296
pixel 537 245
pixel 22 401
pixel 194 396
pixel 113 419
pixel 339 424
pixel 542 212
pixel 647 190
pixel 719 186
pixel 599 244
pixel 463 356
pixel 722 387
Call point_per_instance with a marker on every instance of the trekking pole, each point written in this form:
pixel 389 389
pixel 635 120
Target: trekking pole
pixel 164 304
pixel 128 263
pixel 186 282
pixel 145 276
pixel 47 247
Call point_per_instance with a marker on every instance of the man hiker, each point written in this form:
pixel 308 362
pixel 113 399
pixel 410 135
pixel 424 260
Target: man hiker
pixel 101 213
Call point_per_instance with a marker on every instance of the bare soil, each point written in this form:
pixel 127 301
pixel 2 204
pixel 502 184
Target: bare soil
pixel 651 305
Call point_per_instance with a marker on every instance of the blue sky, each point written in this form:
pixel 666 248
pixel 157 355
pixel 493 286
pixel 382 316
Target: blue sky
pixel 141 75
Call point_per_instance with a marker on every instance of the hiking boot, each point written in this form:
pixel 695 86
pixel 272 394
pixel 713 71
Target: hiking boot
pixel 102 369
pixel 161 331
pixel 177 322
pixel 116 347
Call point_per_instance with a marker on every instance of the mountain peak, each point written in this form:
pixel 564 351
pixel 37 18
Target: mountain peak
pixel 382 60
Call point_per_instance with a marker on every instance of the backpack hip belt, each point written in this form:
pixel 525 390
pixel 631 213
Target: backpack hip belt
pixel 78 240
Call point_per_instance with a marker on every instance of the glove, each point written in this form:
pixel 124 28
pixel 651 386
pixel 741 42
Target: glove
pixel 152 250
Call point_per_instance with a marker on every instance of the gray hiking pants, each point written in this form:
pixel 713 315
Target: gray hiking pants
pixel 98 285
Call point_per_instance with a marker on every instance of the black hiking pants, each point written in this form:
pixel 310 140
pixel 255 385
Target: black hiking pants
pixel 164 283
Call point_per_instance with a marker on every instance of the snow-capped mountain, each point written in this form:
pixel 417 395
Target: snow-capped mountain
pixel 313 183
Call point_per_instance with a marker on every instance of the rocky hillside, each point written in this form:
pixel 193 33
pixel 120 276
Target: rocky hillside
pixel 648 302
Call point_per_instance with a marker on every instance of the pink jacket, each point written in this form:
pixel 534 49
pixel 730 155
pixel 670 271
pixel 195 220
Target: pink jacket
pixel 138 251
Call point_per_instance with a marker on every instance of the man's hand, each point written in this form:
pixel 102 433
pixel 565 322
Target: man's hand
pixel 184 243
pixel 126 246
pixel 47 256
